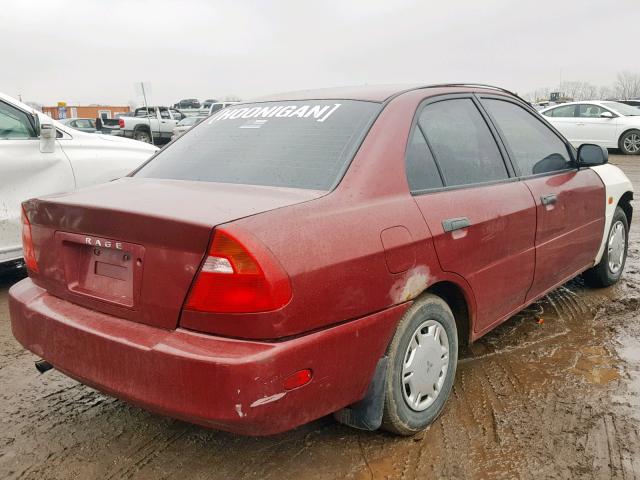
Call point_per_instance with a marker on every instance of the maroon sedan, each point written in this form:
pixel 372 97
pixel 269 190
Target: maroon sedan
pixel 315 253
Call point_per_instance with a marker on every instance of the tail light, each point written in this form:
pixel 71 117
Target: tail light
pixel 238 277
pixel 27 244
pixel 298 379
pixel 121 122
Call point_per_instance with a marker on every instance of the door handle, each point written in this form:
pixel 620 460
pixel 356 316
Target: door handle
pixel 451 224
pixel 550 199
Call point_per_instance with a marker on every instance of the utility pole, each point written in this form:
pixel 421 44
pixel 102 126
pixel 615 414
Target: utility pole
pixel 144 96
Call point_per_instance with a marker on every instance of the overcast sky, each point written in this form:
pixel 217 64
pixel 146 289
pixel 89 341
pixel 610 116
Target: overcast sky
pixel 89 51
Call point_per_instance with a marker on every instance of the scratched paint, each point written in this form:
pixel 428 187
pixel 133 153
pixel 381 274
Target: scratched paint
pixel 265 400
pixel 411 284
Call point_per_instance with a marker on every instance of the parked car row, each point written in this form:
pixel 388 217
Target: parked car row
pixel 40 156
pixel 194 103
pixel 159 125
pixel 153 124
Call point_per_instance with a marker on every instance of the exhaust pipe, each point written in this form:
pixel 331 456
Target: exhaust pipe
pixel 43 366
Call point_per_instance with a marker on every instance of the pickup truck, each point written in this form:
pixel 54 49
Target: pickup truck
pixel 150 124
pixel 40 156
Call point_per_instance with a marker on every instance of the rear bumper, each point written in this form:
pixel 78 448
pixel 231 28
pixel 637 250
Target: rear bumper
pixel 228 384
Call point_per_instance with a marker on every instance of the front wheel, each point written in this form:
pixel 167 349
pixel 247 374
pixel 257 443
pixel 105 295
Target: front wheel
pixel 630 143
pixel 423 356
pixel 611 265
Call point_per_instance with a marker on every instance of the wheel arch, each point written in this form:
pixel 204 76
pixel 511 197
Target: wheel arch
pixel 455 296
pixel 624 132
pixel 625 204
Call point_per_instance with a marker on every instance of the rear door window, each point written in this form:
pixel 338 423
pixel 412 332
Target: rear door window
pixel 462 143
pixel 566 111
pixel 534 147
pixel 590 111
pixel 299 144
pixel 422 172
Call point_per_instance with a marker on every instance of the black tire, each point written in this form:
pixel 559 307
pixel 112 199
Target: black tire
pixel 601 275
pixel 142 135
pixel 629 142
pixel 399 417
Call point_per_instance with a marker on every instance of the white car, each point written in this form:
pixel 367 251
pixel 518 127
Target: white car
pixel 40 156
pixel 608 124
pixel 184 125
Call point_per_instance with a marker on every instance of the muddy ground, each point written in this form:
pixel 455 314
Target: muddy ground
pixel 552 393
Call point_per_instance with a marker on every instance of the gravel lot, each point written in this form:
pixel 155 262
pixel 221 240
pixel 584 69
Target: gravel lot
pixel 553 399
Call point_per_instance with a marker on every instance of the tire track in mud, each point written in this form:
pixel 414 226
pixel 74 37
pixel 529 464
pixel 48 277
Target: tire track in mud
pixel 144 453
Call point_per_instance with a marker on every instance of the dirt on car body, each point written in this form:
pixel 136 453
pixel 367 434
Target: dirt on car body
pixel 552 393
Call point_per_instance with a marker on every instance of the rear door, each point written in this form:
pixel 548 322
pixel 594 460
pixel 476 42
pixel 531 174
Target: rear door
pixel 482 219
pixel 592 128
pixel 570 202
pixel 564 119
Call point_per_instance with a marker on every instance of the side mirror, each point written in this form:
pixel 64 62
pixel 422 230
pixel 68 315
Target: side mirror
pixel 608 115
pixel 47 137
pixel 590 155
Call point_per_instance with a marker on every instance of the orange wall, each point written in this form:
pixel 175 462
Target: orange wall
pixel 86 112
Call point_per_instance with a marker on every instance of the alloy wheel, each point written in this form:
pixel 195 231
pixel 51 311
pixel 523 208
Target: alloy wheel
pixel 632 143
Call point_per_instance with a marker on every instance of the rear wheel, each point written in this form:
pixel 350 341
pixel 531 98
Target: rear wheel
pixel 423 355
pixel 611 265
pixel 630 143
pixel 142 136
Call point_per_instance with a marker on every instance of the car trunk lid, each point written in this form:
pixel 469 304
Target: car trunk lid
pixel 132 247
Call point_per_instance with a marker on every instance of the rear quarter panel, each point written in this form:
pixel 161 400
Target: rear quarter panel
pixel 331 247
pixel 98 160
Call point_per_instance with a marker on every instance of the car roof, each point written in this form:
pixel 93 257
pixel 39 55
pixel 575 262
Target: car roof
pixel 372 93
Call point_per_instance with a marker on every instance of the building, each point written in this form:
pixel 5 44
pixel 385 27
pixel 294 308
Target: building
pixel 62 110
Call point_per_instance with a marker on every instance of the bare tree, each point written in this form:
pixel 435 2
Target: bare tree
pixel 627 85
pixel 578 90
pixel 605 93
pixel 589 91
pixel 537 95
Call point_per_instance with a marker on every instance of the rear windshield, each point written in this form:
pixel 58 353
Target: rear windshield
pixel 304 144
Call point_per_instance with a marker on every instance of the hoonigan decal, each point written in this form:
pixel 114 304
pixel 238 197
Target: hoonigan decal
pixel 318 112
